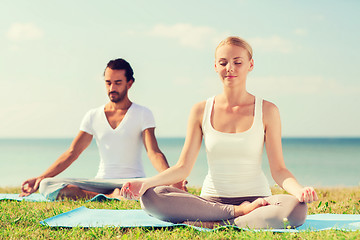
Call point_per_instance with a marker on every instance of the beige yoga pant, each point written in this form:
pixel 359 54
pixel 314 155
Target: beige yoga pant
pixel 174 205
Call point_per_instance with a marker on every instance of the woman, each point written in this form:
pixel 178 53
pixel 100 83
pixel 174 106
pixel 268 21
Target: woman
pixel 234 125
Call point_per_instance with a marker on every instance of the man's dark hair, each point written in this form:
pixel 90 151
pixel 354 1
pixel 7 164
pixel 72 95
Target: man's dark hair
pixel 121 64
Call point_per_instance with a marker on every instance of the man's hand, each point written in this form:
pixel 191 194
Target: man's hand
pixel 181 185
pixel 30 186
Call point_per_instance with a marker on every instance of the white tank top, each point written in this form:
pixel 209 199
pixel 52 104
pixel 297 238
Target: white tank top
pixel 234 159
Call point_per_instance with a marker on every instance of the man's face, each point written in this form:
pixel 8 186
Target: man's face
pixel 116 84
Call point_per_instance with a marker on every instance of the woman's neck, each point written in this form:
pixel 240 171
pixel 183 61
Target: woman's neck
pixel 233 97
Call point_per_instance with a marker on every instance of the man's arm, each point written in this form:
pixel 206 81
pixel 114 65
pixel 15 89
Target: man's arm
pixel 155 155
pixel 79 144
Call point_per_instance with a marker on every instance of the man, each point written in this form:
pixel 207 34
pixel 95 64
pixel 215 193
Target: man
pixel 120 128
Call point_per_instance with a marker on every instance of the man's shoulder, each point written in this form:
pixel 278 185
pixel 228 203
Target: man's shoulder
pixel 94 111
pixel 141 108
pixel 97 109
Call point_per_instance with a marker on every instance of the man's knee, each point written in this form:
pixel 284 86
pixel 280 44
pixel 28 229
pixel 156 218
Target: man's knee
pixel 50 188
pixel 44 184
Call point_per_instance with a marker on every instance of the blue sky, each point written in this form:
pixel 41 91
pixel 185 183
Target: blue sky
pixel 53 54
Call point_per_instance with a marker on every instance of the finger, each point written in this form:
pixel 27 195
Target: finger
pixel 124 188
pixel 306 196
pixel 23 185
pixel 309 196
pixel 127 195
pixel 302 197
pixel 122 192
pixel 37 183
pixel 132 196
pixel 135 197
pixel 312 196
pixel 126 185
pixel 315 196
pixel 24 194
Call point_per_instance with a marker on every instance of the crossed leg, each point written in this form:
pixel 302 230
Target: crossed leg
pixel 174 205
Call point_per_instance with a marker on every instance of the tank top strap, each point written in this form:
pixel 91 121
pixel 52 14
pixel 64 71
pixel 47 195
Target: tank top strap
pixel 207 112
pixel 258 118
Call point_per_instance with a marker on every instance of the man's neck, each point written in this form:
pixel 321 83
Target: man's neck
pixel 123 105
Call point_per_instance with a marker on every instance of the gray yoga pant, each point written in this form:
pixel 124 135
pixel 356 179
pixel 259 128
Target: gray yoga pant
pixel 50 187
pixel 174 205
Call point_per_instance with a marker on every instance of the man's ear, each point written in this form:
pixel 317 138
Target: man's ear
pixel 130 83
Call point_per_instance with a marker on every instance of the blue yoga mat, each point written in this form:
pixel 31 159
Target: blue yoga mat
pixel 84 217
pixel 37 197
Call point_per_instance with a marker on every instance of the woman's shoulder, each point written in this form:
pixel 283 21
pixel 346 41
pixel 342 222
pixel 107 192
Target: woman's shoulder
pixel 270 110
pixel 198 108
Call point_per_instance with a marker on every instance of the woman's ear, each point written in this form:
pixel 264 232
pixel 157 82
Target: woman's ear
pixel 251 65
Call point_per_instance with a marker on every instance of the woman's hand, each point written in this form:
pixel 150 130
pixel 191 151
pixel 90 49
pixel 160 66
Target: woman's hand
pixel 307 195
pixel 133 190
pixel 181 185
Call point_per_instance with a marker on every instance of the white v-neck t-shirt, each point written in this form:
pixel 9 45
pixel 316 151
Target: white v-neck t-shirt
pixel 120 149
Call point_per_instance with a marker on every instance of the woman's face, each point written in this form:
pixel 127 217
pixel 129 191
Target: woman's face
pixel 232 64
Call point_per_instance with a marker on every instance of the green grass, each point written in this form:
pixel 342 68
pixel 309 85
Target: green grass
pixel 20 220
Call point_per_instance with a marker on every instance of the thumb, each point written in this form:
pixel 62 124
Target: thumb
pixel 37 183
pixel 142 190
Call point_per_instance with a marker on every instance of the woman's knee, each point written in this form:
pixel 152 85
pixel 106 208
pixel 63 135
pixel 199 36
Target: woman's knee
pixel 153 196
pixel 298 214
pixel 289 209
pixel 296 211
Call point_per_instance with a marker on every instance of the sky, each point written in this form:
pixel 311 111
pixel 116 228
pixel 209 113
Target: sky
pixel 53 54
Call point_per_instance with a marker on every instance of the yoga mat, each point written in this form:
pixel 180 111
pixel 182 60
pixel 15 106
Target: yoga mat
pixel 84 217
pixel 37 197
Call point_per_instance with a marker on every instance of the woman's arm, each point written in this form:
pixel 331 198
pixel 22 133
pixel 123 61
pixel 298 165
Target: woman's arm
pixel 182 169
pixel 282 176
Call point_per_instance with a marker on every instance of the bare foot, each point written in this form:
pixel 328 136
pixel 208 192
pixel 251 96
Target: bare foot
pixel 247 207
pixel 115 194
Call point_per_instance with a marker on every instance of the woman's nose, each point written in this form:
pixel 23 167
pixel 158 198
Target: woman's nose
pixel 230 67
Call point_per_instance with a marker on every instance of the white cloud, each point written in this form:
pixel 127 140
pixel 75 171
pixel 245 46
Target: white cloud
pixel 187 34
pixel 272 44
pixel 300 32
pixel 24 32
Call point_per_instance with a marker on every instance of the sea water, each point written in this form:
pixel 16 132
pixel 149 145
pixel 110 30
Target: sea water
pixel 319 162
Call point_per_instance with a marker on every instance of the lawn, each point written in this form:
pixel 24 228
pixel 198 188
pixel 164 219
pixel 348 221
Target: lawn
pixel 20 220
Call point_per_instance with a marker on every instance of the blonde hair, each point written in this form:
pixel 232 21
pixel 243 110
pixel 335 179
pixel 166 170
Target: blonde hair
pixel 236 41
